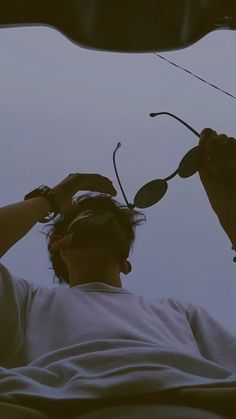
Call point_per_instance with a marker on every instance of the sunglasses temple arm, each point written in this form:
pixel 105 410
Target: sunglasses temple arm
pixel 117 176
pixel 178 119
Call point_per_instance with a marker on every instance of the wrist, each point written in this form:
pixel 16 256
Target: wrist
pixel 46 204
pixel 37 208
pixel 50 198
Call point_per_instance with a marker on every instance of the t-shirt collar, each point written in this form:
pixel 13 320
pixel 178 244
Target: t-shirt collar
pixel 100 286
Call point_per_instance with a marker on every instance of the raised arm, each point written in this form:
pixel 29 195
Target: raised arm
pixel 218 176
pixel 17 220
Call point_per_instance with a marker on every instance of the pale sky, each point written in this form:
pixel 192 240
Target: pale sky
pixel 64 108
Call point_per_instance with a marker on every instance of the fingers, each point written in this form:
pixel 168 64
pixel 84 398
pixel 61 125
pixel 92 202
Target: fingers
pixel 110 188
pixel 217 150
pixel 76 182
pixel 209 140
pixel 98 183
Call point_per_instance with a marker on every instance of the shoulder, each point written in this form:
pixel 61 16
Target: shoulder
pixel 188 308
pixel 12 285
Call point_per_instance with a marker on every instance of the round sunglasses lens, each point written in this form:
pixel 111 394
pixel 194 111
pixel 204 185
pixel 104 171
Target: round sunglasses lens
pixel 150 193
pixel 189 163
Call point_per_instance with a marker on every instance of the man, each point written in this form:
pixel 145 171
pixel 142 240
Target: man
pixel 66 351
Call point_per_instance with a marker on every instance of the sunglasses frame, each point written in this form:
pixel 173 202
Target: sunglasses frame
pixel 131 206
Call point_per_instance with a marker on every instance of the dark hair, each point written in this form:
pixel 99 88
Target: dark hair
pixel 128 218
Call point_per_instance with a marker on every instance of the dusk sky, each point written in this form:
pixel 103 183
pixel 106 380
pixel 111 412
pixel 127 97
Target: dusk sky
pixel 63 109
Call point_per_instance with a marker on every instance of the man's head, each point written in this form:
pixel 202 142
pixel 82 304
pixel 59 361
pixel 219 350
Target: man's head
pixel 74 265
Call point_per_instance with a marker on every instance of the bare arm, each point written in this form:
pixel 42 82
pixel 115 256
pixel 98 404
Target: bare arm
pixel 217 173
pixel 16 220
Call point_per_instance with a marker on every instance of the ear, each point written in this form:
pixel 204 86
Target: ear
pixel 126 267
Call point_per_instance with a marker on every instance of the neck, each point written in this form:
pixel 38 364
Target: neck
pixel 94 267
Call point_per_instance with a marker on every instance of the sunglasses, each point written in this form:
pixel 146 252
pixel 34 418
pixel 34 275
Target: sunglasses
pixel 153 191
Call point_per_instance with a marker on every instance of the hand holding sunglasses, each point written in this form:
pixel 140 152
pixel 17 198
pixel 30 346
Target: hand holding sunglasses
pixel 215 153
pixel 215 160
pixel 217 172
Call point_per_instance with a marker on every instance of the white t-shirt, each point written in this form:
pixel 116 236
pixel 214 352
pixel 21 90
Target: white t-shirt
pixel 95 341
